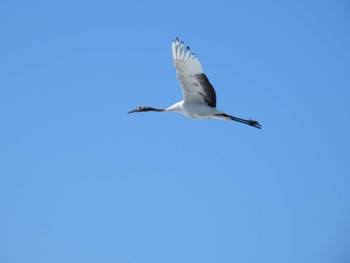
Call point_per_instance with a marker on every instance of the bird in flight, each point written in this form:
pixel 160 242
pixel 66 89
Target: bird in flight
pixel 199 95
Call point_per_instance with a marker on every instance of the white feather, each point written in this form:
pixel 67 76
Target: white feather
pixel 186 68
pixel 199 95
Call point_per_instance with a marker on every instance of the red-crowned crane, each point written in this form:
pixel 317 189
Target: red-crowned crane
pixel 199 95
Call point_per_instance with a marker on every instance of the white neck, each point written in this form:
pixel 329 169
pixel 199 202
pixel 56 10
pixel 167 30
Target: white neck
pixel 177 107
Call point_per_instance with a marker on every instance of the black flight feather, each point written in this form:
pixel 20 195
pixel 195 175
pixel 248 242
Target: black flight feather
pixel 210 95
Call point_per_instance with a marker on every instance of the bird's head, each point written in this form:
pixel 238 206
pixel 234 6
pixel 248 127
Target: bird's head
pixel 144 108
pixel 139 109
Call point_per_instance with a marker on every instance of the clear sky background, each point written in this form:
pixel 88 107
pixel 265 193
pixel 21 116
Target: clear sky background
pixel 82 181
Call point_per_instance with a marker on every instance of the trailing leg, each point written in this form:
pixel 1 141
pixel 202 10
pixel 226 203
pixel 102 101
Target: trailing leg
pixel 248 122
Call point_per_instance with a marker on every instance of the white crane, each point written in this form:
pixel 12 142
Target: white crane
pixel 199 95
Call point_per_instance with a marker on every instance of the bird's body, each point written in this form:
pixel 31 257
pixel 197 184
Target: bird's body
pixel 193 111
pixel 199 95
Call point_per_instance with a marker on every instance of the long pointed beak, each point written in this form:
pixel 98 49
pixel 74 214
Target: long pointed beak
pixel 135 110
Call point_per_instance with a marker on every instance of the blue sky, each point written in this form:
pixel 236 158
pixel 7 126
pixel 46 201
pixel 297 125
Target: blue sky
pixel 82 181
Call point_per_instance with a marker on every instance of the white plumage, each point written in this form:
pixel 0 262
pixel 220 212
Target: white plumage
pixel 199 95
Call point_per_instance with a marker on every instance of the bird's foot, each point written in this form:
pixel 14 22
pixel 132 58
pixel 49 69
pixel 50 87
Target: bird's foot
pixel 254 123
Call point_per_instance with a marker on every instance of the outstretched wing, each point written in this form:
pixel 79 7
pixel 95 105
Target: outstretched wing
pixel 195 85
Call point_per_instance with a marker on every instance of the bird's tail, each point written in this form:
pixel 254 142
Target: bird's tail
pixel 248 122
